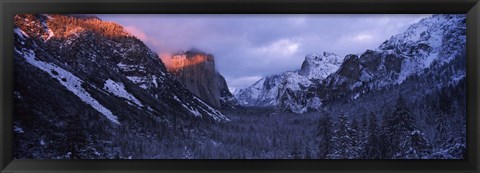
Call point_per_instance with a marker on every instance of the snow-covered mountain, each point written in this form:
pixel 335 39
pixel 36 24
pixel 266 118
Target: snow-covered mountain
pixel 101 58
pixel 91 75
pixel 276 90
pixel 318 66
pixel 428 44
pixel 86 89
pixel 196 71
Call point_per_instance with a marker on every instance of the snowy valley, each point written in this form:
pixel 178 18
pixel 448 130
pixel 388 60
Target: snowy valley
pixel 87 89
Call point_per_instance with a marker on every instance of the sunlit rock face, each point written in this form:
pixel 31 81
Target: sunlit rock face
pixel 90 76
pixel 196 71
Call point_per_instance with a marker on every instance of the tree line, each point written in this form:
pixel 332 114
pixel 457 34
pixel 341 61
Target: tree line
pixel 396 136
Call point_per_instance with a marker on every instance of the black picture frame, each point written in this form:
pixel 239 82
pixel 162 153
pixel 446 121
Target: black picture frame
pixel 9 8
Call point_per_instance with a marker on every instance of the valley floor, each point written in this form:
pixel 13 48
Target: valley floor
pixel 264 134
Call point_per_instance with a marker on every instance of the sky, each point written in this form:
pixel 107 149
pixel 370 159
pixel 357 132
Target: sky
pixel 248 47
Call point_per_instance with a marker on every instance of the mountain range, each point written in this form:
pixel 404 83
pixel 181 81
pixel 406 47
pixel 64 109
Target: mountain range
pixel 432 43
pixel 86 88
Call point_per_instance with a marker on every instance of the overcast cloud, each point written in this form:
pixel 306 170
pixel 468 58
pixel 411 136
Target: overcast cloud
pixel 248 47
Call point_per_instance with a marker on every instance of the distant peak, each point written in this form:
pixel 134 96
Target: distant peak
pixel 319 66
pixel 325 56
pixel 312 56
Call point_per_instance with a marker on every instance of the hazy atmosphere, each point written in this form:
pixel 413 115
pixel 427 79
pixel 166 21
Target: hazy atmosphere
pixel 248 47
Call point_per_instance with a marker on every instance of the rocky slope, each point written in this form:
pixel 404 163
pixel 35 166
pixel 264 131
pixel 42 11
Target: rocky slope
pixel 425 47
pixel 276 90
pixel 196 71
pixel 84 73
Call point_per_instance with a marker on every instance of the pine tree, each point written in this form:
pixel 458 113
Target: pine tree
pixel 384 146
pixel 296 154
pixel 363 138
pixel 76 138
pixel 325 135
pixel 414 146
pixel 457 148
pixel 441 131
pixel 398 125
pixel 354 133
pixel 445 102
pixel 342 141
pixel 373 146
pixel 308 153
pixel 454 148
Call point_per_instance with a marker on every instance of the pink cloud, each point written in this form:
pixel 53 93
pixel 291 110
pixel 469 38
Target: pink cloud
pixel 136 32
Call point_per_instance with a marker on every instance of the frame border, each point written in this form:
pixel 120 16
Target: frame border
pixel 9 8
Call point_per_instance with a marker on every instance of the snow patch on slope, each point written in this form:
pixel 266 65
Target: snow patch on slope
pixel 70 81
pixel 138 80
pixel 17 129
pixel 192 110
pixel 50 34
pixel 217 115
pixel 154 80
pixel 20 33
pixel 118 89
pixel 127 67
pixel 49 31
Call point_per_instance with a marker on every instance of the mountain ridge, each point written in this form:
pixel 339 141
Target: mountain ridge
pixel 274 90
pixel 431 42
